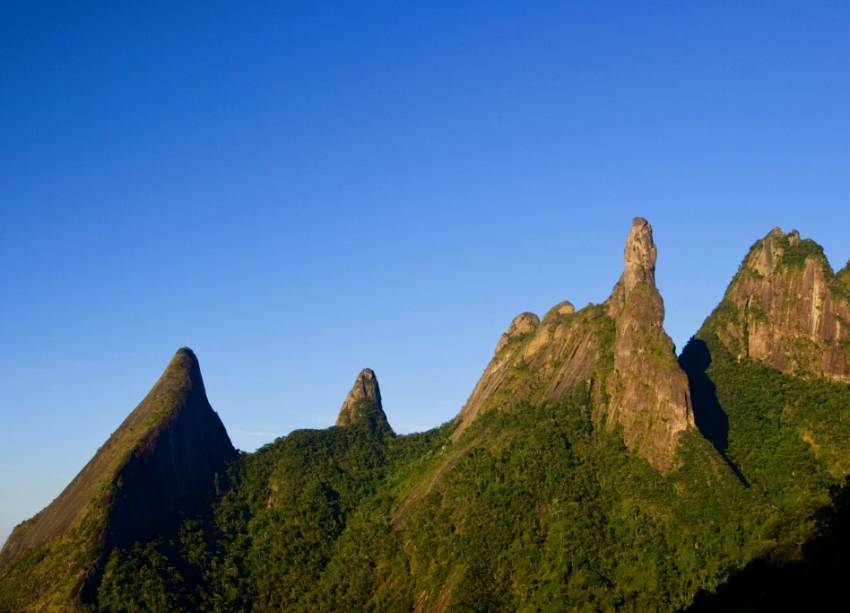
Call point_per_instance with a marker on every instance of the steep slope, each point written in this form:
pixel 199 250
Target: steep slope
pixel 573 478
pixel 783 320
pixel 158 465
pixel 786 309
pixel 273 531
pixel 769 389
pixel 618 349
pixel 649 393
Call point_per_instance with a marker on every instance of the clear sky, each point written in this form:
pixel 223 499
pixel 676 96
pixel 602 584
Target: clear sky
pixel 298 190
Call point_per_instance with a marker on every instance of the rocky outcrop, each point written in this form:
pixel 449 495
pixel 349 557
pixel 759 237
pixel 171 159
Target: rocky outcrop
pixel 787 309
pixel 649 392
pixel 524 323
pixel 363 405
pixel 160 463
pixel 562 308
pixel 619 350
pixel 536 361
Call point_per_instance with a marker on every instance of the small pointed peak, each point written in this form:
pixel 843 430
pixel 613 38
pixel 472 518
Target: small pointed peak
pixel 366 385
pixel 640 255
pixel 184 371
pixel 364 402
pixel 186 357
pixel 794 238
pixel 776 231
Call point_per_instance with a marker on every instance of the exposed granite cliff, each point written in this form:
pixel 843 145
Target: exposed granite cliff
pixel 649 392
pixel 618 349
pixel 787 309
pixel 160 463
pixel 537 361
pixel 363 405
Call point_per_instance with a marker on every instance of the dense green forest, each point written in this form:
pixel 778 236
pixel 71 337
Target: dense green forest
pixel 589 471
pixel 532 508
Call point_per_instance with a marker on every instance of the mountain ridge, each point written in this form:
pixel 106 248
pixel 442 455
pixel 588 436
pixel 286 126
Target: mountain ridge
pixel 570 347
pixel 588 466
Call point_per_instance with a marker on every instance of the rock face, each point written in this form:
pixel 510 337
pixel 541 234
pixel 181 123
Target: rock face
pixel 159 463
pixel 649 392
pixel 524 323
pixel 619 350
pixel 787 309
pixel 537 361
pixel 363 405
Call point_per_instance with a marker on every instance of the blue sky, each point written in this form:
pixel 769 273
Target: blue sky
pixel 300 190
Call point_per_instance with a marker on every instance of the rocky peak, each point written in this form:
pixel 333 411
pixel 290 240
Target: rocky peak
pixel 640 255
pixel 787 309
pixel 649 394
pixel 363 404
pixel 638 272
pixel 536 361
pixel 159 463
pixel 645 391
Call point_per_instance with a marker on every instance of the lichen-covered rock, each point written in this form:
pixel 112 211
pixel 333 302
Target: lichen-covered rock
pixel 787 309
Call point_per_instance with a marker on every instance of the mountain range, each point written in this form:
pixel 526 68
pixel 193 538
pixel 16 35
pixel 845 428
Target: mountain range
pixel 591 468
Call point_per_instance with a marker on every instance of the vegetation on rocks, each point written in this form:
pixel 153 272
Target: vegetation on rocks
pixel 589 471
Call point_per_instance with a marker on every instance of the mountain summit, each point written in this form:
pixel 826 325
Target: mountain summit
pixel 363 404
pixel 614 349
pixel 787 309
pixel 652 415
pixel 574 476
pixel 159 464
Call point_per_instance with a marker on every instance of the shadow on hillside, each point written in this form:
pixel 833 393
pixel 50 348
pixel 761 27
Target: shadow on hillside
pixel 815 581
pixel 710 418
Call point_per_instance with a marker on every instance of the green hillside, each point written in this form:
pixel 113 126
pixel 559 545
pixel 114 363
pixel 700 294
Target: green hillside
pixel 589 471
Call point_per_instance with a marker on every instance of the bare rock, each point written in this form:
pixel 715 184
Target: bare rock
pixel 787 309
pixel 363 405
pixel 645 391
pixel 522 324
pixel 649 392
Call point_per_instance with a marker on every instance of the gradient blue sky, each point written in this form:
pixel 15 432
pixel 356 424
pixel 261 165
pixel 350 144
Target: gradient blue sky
pixel 299 190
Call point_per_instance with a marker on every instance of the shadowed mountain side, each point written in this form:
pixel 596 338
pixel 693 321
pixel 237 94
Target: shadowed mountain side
pixel 711 420
pixel 159 465
pixel 814 580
